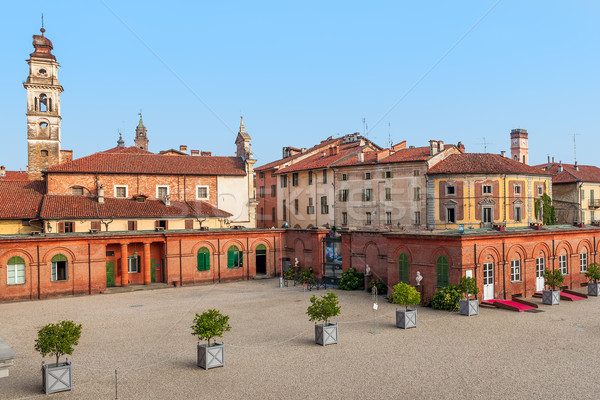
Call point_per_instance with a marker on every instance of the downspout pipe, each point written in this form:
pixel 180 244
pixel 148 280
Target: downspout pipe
pixel 38 273
pixel 89 270
pixel 180 265
pixel 503 270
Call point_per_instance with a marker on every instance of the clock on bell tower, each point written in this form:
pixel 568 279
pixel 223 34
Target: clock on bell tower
pixel 519 150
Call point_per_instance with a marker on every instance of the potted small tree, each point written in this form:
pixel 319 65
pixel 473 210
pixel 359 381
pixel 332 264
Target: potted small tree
pixel 210 324
pixel 593 275
pixel 321 309
pixel 58 340
pixel 468 287
pixel 406 295
pixel 552 279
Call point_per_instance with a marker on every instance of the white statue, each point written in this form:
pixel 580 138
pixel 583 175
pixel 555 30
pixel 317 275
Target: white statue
pixel 419 278
pixel 367 270
pixel 296 262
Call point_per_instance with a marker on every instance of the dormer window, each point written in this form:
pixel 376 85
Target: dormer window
pixel 162 192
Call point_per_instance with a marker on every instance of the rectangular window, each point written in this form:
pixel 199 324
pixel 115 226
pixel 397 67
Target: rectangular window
pixel 417 194
pixel 344 177
pixel 515 270
pixel 562 262
pixel 487 214
pixel 189 224
pixel 15 274
pixel 388 218
pixel 77 190
pixel 388 194
pixel 121 191
pixel 261 175
pixel 283 181
pixel 133 264
pixel 583 262
pixel 344 218
pixel 284 211
pixel 262 214
pixel 261 191
pixel 95 225
pixel 592 216
pixel 582 194
pixel 486 189
pixel 518 214
pixel 161 224
pixel 59 270
pixel 344 194
pixel 517 190
pixel 540 190
pixel 295 179
pixel 450 190
pixel 296 206
pixel 368 218
pixel 388 174
pixel 273 190
pixel 202 192
pixel 324 206
pixel 324 176
pixel 162 191
pixel 417 218
pixel 273 214
pixel 65 227
pixel 367 176
pixel 451 215
pixel 367 194
pixel 310 209
pixel 310 177
pixel 132 225
pixel 416 172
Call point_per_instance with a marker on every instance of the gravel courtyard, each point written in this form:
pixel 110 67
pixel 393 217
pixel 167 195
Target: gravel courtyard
pixel 270 351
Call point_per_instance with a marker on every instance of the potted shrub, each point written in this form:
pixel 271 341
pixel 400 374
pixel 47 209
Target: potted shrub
pixel 321 309
pixel 468 287
pixel 351 280
pixel 552 279
pixel 58 340
pixel 593 275
pixel 406 295
pixel 210 324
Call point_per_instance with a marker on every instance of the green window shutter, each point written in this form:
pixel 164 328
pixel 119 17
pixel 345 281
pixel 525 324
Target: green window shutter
pixel 403 268
pixel 363 195
pixel 206 261
pixel 241 258
pixel 203 259
pixel 230 259
pixel 442 271
pixel 15 260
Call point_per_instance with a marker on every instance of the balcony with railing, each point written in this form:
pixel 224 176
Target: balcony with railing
pixel 592 203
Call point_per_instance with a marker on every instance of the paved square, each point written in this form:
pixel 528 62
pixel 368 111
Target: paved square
pixel 270 351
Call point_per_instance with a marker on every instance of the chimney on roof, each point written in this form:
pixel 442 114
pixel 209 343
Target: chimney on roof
pixel 399 146
pixel 440 146
pixel 195 152
pixel 433 147
pixel 206 153
pixel 552 159
pixel 548 158
pixel 560 167
pixel 503 153
pixel 183 148
pixel 334 150
pixel 2 171
pixel 101 194
pixel 361 157
pixel 303 150
pixel 461 147
pixel 576 166
pixel 383 154
pixel 167 200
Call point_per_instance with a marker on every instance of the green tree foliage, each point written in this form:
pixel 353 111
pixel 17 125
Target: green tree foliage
pixel 405 295
pixel 549 217
pixel 324 307
pixel 447 298
pixel 553 278
pixel 351 279
pixel 468 286
pixel 58 339
pixel 593 273
pixel 210 324
pixel 307 276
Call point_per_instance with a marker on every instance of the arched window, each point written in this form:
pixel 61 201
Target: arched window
pixel 43 103
pixel 59 268
pixel 203 259
pixel 16 271
pixel 44 153
pixel 235 257
pixel 261 249
pixel 403 268
pixel 442 271
pixel 583 260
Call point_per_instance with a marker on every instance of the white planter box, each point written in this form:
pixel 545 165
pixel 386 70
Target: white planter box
pixel 406 319
pixel 593 289
pixel 211 357
pixel 326 334
pixel 551 297
pixel 57 377
pixel 469 307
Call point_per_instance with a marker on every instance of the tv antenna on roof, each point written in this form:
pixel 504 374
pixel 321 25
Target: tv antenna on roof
pixel 575 148
pixel 485 143
pixel 390 134
pixel 365 127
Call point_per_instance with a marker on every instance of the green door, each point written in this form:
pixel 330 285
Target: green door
pixel 152 270
pixel 110 273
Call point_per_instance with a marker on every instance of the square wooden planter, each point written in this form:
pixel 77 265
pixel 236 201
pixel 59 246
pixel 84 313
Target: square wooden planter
pixel 593 289
pixel 468 307
pixel 551 297
pixel 406 319
pixel 57 377
pixel 326 334
pixel 211 357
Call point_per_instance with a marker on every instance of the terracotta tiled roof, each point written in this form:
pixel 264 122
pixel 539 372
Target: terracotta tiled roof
pixel 124 162
pixel 77 207
pixel 586 173
pixel 320 161
pixel 20 199
pixel 15 176
pixel 482 163
pixel 273 164
pixel 128 150
pixel 403 155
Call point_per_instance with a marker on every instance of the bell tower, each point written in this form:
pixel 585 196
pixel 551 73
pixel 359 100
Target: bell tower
pixel 519 149
pixel 43 108
pixel 141 138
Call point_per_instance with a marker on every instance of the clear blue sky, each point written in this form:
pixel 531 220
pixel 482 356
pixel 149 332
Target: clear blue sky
pixel 300 72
